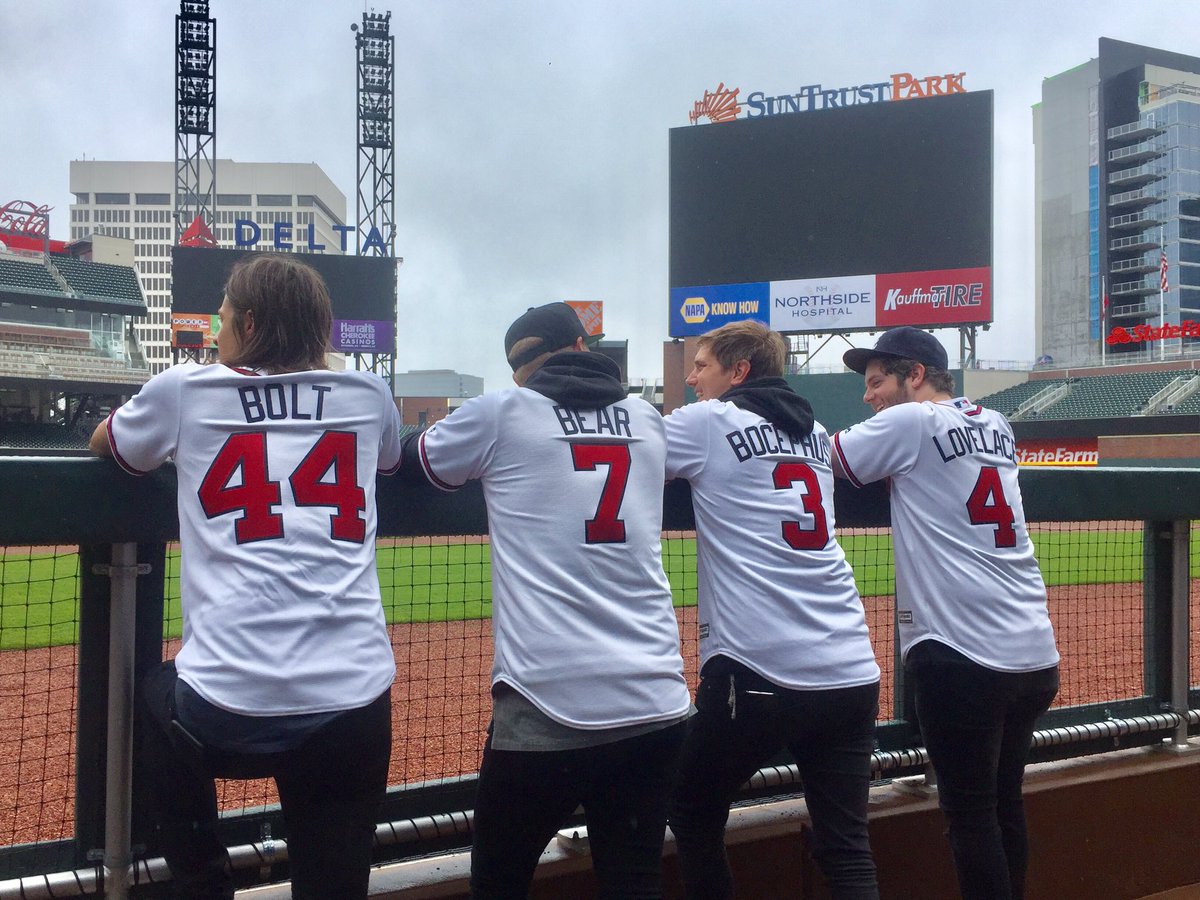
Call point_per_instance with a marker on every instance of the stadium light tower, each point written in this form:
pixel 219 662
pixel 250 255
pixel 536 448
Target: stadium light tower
pixel 195 116
pixel 375 201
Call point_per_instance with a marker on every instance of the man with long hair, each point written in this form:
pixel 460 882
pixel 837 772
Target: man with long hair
pixel 286 664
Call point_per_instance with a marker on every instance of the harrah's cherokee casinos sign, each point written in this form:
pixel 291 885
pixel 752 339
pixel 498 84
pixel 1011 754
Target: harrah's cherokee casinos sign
pixel 932 299
pixel 722 105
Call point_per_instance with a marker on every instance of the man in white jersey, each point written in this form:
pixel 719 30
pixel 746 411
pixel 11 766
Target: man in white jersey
pixel 286 665
pixel 786 660
pixel 589 699
pixel 971 613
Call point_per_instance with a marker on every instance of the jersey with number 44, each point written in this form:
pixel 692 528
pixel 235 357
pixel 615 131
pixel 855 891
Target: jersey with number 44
pixel 966 574
pixel 276 474
pixel 582 616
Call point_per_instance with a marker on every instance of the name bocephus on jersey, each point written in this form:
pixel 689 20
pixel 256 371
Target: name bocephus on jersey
pixel 765 439
pixel 961 441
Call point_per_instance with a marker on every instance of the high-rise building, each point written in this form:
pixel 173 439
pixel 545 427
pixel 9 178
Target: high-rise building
pixel 1117 191
pixel 133 200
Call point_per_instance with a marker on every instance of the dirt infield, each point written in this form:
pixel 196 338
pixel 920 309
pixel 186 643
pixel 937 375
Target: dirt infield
pixel 441 705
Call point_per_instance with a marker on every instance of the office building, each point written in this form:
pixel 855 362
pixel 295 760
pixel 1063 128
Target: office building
pixel 133 200
pixel 1117 188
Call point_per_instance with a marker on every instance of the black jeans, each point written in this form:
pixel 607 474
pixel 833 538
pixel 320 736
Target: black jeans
pixel 977 724
pixel 330 790
pixel 830 733
pixel 526 796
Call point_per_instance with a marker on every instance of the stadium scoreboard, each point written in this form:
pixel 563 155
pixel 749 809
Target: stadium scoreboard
pixel 844 219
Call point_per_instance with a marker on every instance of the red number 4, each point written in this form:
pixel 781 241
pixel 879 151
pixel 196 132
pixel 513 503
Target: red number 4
pixel 606 527
pixel 257 496
pixel 988 506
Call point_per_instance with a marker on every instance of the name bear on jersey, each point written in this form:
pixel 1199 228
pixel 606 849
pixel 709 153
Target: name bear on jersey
pixel 271 401
pixel 611 420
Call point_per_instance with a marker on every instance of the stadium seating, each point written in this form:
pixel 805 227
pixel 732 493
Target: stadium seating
pixel 99 279
pixel 1009 400
pixel 27 277
pixel 1094 396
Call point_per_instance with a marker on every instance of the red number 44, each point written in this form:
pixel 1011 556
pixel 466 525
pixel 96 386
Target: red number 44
pixel 257 496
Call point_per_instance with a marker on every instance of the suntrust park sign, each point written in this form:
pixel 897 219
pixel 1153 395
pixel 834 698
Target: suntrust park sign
pixel 723 104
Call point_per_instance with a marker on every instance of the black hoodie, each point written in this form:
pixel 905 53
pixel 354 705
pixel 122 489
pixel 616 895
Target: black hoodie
pixel 776 402
pixel 571 378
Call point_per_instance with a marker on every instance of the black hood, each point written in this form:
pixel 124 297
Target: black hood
pixel 577 380
pixel 776 402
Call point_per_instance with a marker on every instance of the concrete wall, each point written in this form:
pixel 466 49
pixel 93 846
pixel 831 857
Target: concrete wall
pixel 1112 827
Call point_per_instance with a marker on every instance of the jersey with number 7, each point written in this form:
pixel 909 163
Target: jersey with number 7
pixel 965 569
pixel 583 621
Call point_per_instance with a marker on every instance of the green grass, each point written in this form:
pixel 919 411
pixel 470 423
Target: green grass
pixel 39 592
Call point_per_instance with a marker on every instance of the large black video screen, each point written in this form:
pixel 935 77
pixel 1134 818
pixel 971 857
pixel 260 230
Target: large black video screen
pixel 360 287
pixel 900 186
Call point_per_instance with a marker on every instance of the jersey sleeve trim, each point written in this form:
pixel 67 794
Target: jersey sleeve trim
pixel 112 445
pixel 837 445
pixel 428 469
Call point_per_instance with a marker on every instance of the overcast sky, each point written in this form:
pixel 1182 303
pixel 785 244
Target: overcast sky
pixel 531 157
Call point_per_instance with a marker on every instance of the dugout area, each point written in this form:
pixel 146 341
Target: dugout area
pixel 1116 546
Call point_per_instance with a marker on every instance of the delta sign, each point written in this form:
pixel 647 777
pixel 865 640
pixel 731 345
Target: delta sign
pixel 945 297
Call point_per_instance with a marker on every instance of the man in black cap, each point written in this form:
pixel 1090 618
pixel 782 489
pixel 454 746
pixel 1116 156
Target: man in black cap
pixel 974 631
pixel 589 700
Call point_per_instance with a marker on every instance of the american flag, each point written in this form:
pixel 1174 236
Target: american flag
pixel 1162 272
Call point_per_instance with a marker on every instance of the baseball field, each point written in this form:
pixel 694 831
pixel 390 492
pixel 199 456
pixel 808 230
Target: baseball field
pixel 447 581
pixel 437 596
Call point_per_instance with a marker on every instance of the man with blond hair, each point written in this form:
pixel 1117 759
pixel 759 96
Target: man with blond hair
pixel 785 657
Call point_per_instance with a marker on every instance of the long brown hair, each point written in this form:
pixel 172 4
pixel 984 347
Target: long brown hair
pixel 289 306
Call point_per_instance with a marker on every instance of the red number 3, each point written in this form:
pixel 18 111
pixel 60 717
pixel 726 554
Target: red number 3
pixel 815 538
pixel 257 496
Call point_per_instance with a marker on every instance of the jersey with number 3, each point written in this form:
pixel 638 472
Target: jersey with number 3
pixel 774 589
pixel 276 475
pixel 966 574
pixel 582 616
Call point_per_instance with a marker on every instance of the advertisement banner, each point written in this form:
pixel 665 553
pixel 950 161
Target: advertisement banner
pixel 1057 452
pixel 931 299
pixel 591 314
pixel 363 336
pixel 192 332
pixel 823 304
pixel 695 310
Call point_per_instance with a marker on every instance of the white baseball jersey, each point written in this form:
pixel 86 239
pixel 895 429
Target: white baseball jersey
pixel 281 607
pixel 583 622
pixel 775 591
pixel 965 570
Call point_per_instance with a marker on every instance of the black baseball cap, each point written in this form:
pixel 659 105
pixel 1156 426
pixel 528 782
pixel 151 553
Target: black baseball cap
pixel 556 324
pixel 904 342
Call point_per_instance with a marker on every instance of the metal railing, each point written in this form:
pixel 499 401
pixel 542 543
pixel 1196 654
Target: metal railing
pixel 122 527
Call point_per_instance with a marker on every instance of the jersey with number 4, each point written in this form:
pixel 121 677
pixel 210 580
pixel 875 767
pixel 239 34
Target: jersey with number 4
pixel 966 574
pixel 775 591
pixel 583 622
pixel 276 473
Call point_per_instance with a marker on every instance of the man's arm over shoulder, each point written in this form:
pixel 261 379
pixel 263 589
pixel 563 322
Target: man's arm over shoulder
pixel 454 450
pixel 687 440
pixel 884 445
